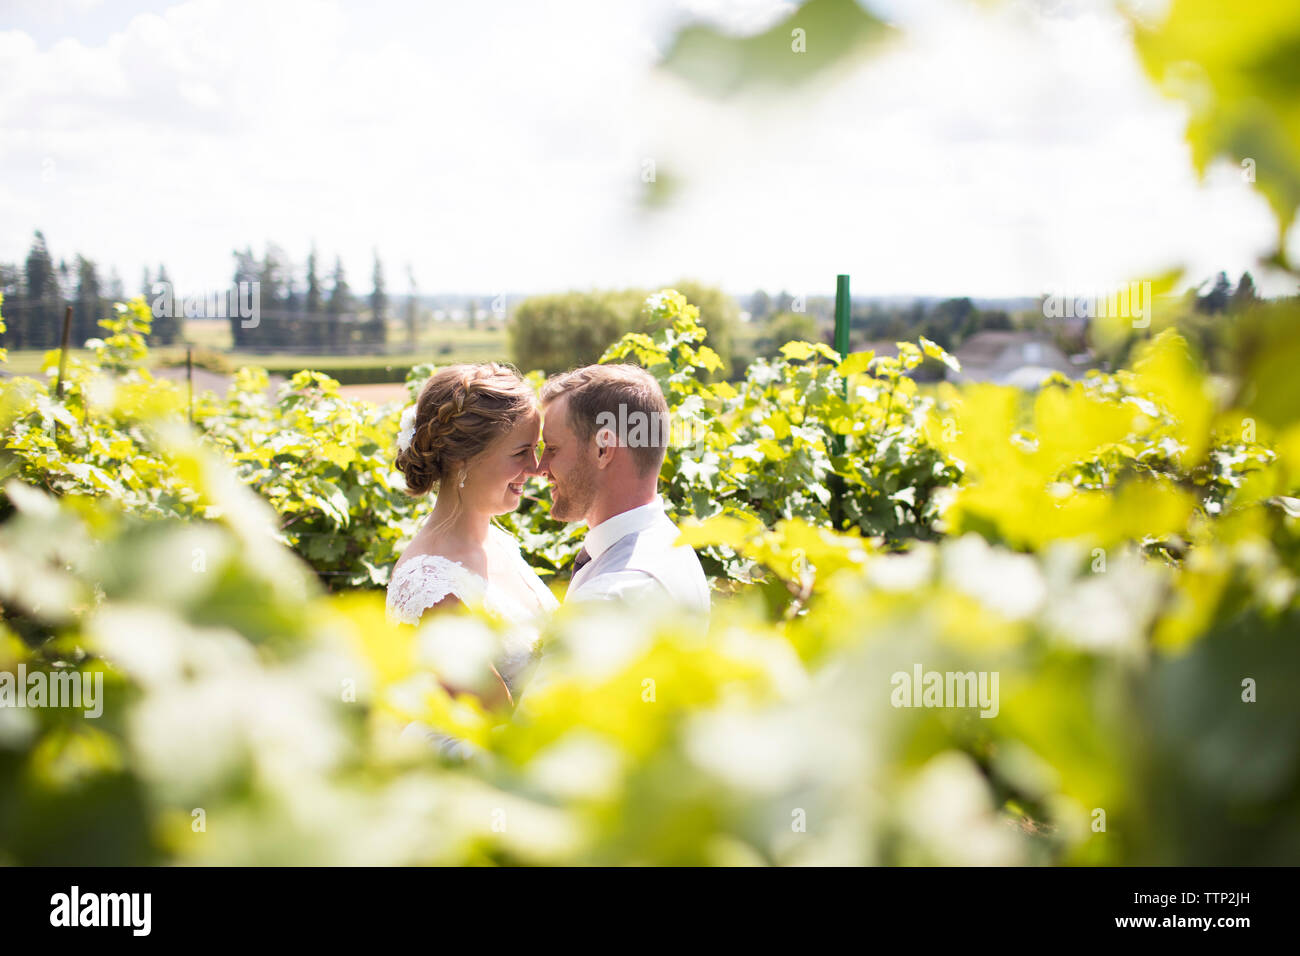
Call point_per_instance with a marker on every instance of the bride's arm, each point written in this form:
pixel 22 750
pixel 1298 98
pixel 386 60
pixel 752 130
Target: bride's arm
pixel 491 699
pixel 496 694
pixel 428 585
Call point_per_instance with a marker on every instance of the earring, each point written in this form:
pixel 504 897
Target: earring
pixel 462 479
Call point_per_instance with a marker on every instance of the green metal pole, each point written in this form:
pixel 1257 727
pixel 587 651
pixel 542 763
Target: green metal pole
pixel 842 312
pixel 842 315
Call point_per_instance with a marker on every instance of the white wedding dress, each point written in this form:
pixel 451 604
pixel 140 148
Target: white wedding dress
pixel 422 581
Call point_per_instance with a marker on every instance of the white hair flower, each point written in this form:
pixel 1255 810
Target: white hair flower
pixel 406 429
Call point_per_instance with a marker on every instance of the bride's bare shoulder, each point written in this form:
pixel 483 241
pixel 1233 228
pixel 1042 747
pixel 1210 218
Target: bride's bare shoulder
pixel 442 556
pixel 434 546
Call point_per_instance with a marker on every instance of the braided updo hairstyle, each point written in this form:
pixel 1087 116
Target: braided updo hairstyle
pixel 461 410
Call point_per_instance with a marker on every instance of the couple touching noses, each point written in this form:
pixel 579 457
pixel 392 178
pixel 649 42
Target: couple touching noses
pixel 472 434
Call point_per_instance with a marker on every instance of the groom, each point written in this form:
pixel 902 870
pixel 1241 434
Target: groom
pixel 606 432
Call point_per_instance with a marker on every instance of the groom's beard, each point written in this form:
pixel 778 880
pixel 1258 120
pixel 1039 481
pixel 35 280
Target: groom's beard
pixel 571 499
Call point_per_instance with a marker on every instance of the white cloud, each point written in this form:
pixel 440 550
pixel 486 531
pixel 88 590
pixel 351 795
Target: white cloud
pixel 500 148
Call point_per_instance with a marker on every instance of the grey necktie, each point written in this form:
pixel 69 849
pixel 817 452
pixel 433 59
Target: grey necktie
pixel 582 558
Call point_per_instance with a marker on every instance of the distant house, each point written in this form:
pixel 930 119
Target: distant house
pixel 1022 359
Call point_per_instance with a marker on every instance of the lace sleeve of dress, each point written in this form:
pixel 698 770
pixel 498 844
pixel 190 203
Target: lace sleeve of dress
pixel 422 582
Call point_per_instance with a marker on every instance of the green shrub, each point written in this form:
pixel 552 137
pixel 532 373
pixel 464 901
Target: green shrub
pixel 554 333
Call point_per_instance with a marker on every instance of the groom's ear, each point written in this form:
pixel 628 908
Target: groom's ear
pixel 606 442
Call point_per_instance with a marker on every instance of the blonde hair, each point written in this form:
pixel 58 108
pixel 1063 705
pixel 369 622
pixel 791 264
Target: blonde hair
pixel 461 410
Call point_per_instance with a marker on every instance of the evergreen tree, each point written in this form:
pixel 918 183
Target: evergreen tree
pixel 1217 299
pixel 67 286
pixel 1245 294
pixel 293 304
pixel 273 279
pixel 377 327
pixel 760 306
pixel 410 307
pixel 116 290
pixel 339 309
pixel 168 329
pixel 313 308
pixel 14 308
pixel 88 306
pixel 44 321
pixel 247 270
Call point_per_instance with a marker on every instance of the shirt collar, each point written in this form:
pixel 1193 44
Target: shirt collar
pixel 605 534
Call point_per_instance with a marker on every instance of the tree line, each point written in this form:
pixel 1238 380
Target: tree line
pixel 305 311
pixel 949 322
pixel 38 291
pixel 1204 317
pixel 297 309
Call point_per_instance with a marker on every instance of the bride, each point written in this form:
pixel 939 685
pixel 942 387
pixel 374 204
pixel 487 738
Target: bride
pixel 473 435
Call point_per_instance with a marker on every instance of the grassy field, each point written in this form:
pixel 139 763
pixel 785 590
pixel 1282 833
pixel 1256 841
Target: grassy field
pixel 441 343
pixel 444 343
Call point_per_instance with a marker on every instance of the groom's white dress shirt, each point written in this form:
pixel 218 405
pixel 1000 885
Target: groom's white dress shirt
pixel 633 558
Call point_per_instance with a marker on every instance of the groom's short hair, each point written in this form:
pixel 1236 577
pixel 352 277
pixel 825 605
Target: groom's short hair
pixel 626 395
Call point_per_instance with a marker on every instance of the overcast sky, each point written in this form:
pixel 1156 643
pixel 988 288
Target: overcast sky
pixel 500 146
